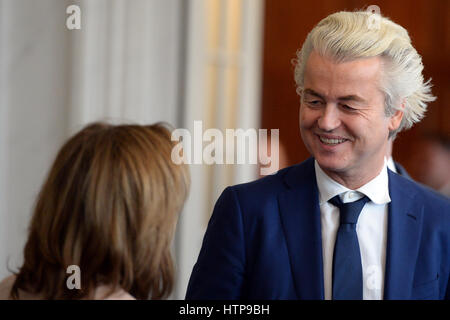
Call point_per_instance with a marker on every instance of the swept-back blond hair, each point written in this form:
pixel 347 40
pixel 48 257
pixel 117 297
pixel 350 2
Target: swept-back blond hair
pixel 109 205
pixel 346 36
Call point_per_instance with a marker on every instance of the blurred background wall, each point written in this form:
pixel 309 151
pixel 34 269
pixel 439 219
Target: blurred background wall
pixel 138 61
pixel 34 88
pixel 224 62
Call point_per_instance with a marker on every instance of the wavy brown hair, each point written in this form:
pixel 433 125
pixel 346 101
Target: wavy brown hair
pixel 109 205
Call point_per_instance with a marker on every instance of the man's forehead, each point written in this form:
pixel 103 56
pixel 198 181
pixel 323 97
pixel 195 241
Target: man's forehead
pixel 363 68
pixel 347 80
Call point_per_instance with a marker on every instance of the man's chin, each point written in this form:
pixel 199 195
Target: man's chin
pixel 331 165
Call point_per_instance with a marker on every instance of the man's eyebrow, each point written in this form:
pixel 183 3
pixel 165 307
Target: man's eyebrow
pixel 351 97
pixel 313 93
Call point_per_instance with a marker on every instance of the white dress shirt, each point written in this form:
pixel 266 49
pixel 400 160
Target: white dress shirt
pixel 371 229
pixel 391 165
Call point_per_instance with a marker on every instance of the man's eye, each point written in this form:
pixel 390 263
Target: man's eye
pixel 315 102
pixel 346 107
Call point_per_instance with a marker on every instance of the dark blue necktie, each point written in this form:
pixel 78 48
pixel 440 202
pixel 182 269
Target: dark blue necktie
pixel 347 269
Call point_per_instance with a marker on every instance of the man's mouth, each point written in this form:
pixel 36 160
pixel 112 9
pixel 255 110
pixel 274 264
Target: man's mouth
pixel 332 141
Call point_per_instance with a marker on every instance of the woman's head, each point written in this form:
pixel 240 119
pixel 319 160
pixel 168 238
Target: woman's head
pixel 109 205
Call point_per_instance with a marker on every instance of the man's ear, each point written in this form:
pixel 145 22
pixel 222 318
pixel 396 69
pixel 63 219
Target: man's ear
pixel 396 118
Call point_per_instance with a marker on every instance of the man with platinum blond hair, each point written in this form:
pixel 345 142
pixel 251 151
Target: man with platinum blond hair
pixel 339 225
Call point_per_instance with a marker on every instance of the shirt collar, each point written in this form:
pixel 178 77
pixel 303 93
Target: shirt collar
pixel 377 189
pixel 391 165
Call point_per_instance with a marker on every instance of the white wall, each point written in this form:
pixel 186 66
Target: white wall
pixel 133 60
pixel 122 65
pixel 33 45
pixel 125 62
pixel 228 109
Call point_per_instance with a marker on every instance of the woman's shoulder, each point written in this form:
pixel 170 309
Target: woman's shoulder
pixel 101 292
pixel 5 287
pixel 5 290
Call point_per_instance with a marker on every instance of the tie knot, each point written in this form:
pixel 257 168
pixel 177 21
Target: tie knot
pixel 349 212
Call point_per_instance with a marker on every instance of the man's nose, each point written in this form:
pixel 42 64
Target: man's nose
pixel 329 119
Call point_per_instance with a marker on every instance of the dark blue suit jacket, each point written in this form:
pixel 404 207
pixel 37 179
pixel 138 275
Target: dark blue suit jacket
pixel 264 241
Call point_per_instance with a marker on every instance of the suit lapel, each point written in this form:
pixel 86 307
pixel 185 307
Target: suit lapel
pixel 300 217
pixel 404 231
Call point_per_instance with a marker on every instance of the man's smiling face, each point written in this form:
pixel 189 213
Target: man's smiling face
pixel 342 118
